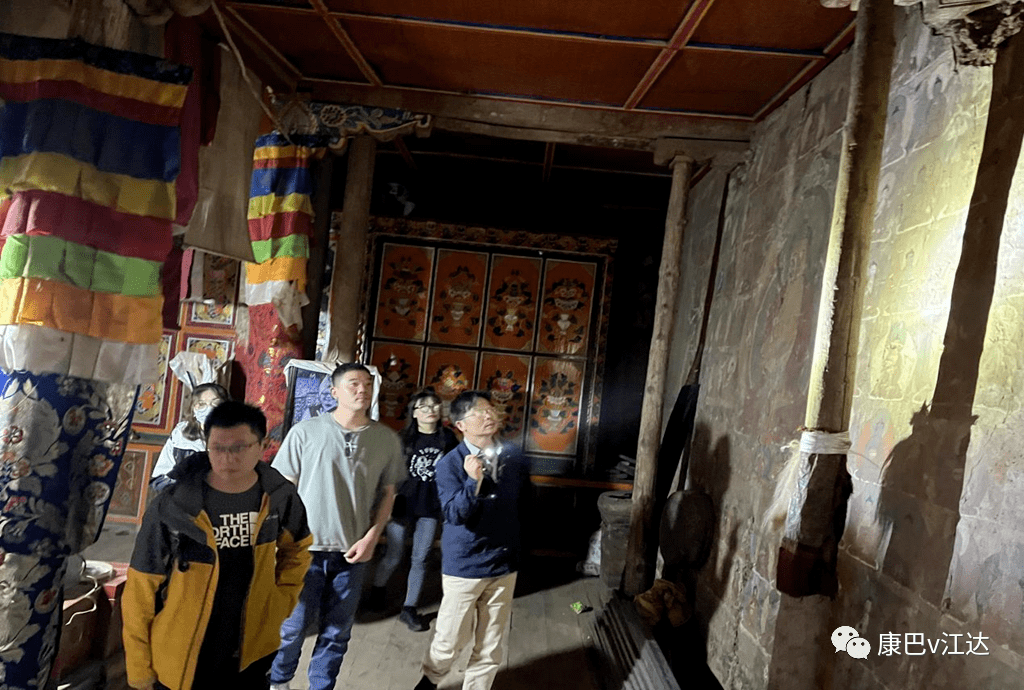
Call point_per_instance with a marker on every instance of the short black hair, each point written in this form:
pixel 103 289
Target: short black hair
pixel 464 402
pixel 343 369
pixel 232 413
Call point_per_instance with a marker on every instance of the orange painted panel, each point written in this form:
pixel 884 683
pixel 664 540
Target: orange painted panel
pixel 449 372
pixel 399 366
pixel 512 303
pixel 787 24
pixel 458 297
pixel 404 286
pixel 555 406
pixel 507 378
pixel 567 306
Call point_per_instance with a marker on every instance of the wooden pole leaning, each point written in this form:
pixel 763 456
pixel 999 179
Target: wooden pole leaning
pixel 640 559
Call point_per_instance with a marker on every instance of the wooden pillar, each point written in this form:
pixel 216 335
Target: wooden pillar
pixel 640 558
pixel 321 171
pixel 350 258
pixel 806 572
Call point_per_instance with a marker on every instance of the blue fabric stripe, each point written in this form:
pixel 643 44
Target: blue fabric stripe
pixel 275 138
pixel 281 182
pixel 108 142
pixel 15 47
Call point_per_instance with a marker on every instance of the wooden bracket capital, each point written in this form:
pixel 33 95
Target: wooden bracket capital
pixel 727 153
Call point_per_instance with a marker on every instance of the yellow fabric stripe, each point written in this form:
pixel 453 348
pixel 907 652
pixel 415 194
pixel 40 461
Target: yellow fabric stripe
pixel 109 316
pixel 260 206
pixel 54 172
pixel 122 85
pixel 283 268
pixel 263 153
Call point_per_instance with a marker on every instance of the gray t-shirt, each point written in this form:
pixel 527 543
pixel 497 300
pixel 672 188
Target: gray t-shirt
pixel 341 475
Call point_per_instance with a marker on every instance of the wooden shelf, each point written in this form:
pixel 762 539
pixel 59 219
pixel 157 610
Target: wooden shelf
pixel 570 482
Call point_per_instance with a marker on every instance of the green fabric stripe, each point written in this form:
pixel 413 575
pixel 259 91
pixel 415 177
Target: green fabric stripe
pixel 51 258
pixel 276 247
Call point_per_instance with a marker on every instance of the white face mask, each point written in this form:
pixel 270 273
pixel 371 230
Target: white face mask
pixel 201 414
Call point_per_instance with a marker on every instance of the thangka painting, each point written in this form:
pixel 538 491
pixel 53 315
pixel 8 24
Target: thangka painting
pixel 555 406
pixel 507 378
pixel 219 349
pixel 449 372
pixel 512 303
pixel 311 395
pixel 404 289
pixel 458 297
pixel 153 406
pixel 128 500
pixel 566 307
pixel 399 366
pixel 220 286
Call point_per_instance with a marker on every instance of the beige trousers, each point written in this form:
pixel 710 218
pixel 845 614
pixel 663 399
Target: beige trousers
pixel 471 607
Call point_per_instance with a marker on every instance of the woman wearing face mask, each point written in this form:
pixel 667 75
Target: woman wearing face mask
pixel 187 437
pixel 424 441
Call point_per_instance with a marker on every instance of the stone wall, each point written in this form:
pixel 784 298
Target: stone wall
pixel 920 555
pixel 757 357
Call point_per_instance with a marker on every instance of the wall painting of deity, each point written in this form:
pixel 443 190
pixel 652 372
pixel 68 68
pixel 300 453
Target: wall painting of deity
pixel 512 303
pixel 566 307
pixel 555 406
pixel 128 501
pixel 153 408
pixel 399 366
pixel 449 372
pixel 507 378
pixel 219 349
pixel 404 286
pixel 458 297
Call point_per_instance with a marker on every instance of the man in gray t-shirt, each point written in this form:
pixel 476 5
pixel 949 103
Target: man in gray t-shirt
pixel 346 467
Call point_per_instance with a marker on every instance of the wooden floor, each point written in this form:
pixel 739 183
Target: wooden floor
pixel 547 642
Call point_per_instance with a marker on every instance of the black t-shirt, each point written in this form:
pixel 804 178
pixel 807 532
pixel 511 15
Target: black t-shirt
pixel 422 454
pixel 234 522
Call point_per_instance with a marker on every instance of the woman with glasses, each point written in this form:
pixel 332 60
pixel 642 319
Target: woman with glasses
pixel 187 437
pixel 424 441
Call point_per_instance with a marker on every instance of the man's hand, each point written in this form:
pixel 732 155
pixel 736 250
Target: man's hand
pixel 362 550
pixel 474 467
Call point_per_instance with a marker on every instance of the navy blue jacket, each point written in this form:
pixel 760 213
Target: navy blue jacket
pixel 481 535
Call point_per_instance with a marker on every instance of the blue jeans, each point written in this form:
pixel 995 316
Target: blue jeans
pixel 422 540
pixel 330 596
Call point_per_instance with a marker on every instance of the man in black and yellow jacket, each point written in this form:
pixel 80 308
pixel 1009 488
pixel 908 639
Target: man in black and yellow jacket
pixel 218 565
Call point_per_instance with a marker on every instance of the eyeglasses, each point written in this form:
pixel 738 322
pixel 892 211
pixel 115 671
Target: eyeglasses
pixel 428 406
pixel 205 405
pixel 236 449
pixel 484 411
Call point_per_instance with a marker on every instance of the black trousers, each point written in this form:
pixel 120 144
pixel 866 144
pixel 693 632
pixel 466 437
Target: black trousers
pixel 225 677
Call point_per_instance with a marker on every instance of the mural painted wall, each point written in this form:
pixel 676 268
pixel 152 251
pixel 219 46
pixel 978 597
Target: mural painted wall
pixel 933 549
pixel 757 355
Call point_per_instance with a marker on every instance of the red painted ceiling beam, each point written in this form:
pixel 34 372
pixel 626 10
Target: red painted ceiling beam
pixel 684 32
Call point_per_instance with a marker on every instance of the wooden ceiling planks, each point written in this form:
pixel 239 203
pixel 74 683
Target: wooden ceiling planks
pixel 722 82
pixel 590 17
pixel 470 61
pixel 707 59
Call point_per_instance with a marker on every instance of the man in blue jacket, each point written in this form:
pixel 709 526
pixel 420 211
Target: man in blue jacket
pixel 480 484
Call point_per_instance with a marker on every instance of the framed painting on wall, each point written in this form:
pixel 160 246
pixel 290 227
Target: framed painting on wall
pixel 404 287
pixel 449 372
pixel 457 304
pixel 400 366
pixel 566 307
pixel 555 406
pixel 512 302
pixel 219 349
pixel 154 408
pixel 128 500
pixel 507 378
